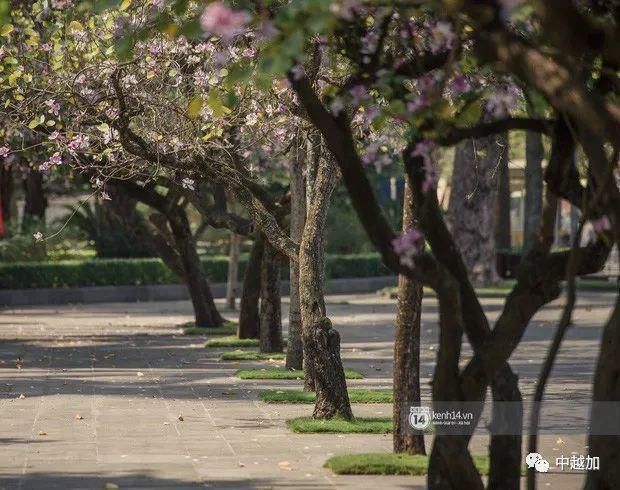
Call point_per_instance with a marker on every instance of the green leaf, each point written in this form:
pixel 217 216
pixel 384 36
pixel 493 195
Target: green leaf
pixel 6 29
pixel 194 107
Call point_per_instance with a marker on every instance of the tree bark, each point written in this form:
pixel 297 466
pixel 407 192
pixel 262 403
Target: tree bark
pixel 471 212
pixel 249 319
pixel 533 205
pixel 6 196
pixel 270 304
pixel 606 389
pixel 205 311
pixel 407 347
pixel 35 202
pixel 233 270
pixel 503 226
pixel 294 349
pixel 321 341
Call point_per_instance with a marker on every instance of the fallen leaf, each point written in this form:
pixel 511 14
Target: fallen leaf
pixel 166 423
pixel 241 465
pixel 559 441
pixel 181 419
pixel 140 374
pixel 78 417
pixel 41 433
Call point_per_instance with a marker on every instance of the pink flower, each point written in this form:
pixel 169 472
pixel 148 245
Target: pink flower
pixel 442 37
pixel 409 244
pixel 501 100
pixel 424 149
pixel 601 224
pixel 54 160
pixel 248 53
pixel 4 151
pixel 38 236
pixel 53 107
pixel 459 85
pixel 358 94
pixel 219 20
pixel 105 196
pixel 80 142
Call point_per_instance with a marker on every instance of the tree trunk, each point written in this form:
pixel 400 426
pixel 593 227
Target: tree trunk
pixel 233 271
pixel 270 303
pixel 532 213
pixel 35 202
pixel 503 227
pixel 206 313
pixel 471 211
pixel 249 319
pixel 294 350
pixel 6 195
pixel 321 341
pixel 407 348
pixel 606 389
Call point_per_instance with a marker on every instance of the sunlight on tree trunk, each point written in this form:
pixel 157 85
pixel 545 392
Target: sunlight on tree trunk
pixel 321 341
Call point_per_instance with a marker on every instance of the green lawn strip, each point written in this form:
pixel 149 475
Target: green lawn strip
pixel 297 396
pixel 244 355
pixel 228 328
pixel 231 341
pixel 282 373
pixel 359 425
pixel 392 464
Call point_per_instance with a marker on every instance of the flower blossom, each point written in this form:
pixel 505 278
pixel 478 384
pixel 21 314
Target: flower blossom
pixel 358 94
pixel 53 107
pixel 219 20
pixel 424 149
pixel 601 224
pixel 4 151
pixel 54 160
pixel 501 100
pixel 188 183
pixel 38 236
pixel 442 37
pixel 408 245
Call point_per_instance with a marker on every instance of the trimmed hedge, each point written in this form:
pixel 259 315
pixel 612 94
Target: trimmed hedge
pixel 136 272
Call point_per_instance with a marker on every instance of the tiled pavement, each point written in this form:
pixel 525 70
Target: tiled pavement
pixel 104 387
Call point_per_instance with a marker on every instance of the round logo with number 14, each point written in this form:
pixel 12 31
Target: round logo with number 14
pixel 419 417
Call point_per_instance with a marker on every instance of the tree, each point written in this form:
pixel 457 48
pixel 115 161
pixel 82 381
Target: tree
pixel 407 345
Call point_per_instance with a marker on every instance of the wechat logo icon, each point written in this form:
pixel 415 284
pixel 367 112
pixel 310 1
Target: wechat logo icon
pixel 536 461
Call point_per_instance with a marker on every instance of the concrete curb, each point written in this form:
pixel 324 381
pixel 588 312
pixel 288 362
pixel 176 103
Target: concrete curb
pixel 163 292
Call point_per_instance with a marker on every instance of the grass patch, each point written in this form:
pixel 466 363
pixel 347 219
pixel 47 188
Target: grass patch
pixel 231 341
pixel 283 373
pixel 296 396
pixel 360 425
pixel 228 328
pixel 391 464
pixel 244 355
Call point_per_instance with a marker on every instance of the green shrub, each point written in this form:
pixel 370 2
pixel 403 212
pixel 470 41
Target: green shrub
pixel 140 271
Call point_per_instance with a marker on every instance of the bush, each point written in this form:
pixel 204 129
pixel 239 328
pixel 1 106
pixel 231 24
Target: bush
pixel 140 271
